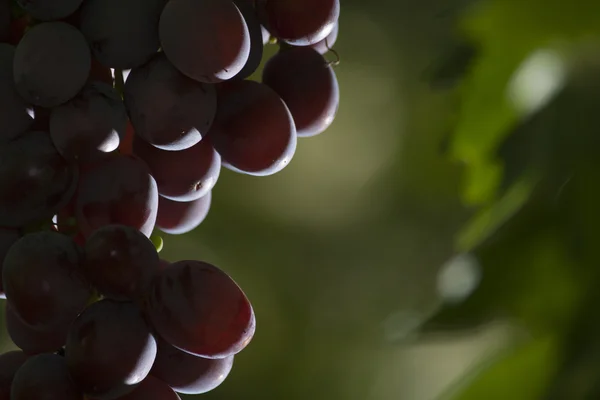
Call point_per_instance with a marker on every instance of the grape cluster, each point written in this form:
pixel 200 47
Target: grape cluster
pixel 116 117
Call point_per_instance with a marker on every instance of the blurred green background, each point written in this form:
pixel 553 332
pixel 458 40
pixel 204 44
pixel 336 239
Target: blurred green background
pixel 440 240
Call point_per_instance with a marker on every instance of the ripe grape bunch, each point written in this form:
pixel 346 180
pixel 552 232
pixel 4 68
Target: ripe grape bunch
pixel 116 117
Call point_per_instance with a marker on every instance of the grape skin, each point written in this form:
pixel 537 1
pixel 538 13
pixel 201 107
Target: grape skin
pixel 206 40
pixel 10 363
pixel 119 261
pixel 307 85
pixel 184 175
pixel 253 131
pixel 123 34
pixel 151 389
pixel 35 181
pixel 299 22
pixel 52 63
pixel 177 218
pixel 14 118
pixel 186 373
pixel 199 309
pixel 118 190
pixel 41 278
pixel 326 44
pixel 47 10
pixel 8 237
pixel 90 125
pixel 109 349
pixel 44 377
pixel 256 38
pixel 4 20
pixel 167 109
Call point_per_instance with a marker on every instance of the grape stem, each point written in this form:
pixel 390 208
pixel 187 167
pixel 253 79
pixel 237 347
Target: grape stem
pixel 119 82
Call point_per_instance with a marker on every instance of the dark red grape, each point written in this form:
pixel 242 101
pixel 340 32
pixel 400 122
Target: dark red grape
pixel 109 349
pixel 47 10
pixel 9 365
pixel 8 237
pixel 166 108
pixel 253 131
pixel 176 218
pixel 44 377
pixel 118 190
pixel 4 20
pixel 206 40
pixel 326 44
pixel 198 308
pixel 184 175
pixel 14 116
pixel 266 35
pixel 119 261
pixel 36 340
pixel 307 85
pixel 99 72
pixel 122 33
pixel 299 22
pixel 90 125
pixel 186 373
pixel 52 63
pixel 255 56
pixel 151 389
pixel 35 181
pixel 41 278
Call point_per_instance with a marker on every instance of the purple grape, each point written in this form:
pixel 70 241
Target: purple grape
pixel 42 281
pixel 36 340
pixel 9 365
pixel 35 181
pixel 123 34
pixel 177 218
pixel 253 131
pixel 151 389
pixel 8 237
pixel 119 190
pixel 120 261
pixel 14 115
pixel 299 22
pixel 326 44
pixel 47 10
pixel 308 86
pixel 52 63
pixel 184 175
pixel 246 7
pixel 44 377
pixel 166 108
pixel 186 373
pixel 206 40
pixel 199 309
pixel 90 125
pixel 109 349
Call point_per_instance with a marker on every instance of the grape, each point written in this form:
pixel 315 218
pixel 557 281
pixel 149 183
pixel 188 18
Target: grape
pixel 7 238
pixel 151 389
pixel 47 10
pixel 199 309
pixel 90 125
pixel 99 72
pixel 44 377
pixel 36 340
pixel 35 181
pixel 168 109
pixel 184 175
pixel 206 40
pixel 253 131
pixel 52 63
pixel 299 22
pixel 186 373
pixel 14 118
pixel 255 56
pixel 4 20
pixel 307 85
pixel 117 190
pixel 109 349
pixel 326 44
pixel 122 33
pixel 266 35
pixel 41 278
pixel 9 364
pixel 177 218
pixel 119 261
